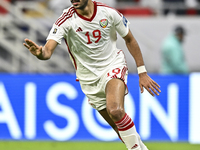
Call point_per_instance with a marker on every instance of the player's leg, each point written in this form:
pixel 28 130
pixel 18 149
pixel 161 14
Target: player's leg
pixel 105 115
pixel 115 91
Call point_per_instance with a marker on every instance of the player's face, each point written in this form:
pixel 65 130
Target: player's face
pixel 180 37
pixel 79 4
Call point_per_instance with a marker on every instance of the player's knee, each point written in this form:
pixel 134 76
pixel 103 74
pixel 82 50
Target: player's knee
pixel 116 113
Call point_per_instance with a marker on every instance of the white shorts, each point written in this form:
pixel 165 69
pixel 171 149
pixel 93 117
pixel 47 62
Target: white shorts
pixel 96 91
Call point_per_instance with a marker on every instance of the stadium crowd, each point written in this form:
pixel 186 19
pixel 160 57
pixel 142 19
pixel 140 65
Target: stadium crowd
pixel 132 7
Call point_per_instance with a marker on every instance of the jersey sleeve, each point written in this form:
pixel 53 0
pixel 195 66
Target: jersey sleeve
pixel 56 33
pixel 61 26
pixel 121 23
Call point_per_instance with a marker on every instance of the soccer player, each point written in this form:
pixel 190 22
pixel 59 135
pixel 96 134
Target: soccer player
pixel 89 29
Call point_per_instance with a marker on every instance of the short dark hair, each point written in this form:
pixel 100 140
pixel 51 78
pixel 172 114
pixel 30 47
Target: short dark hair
pixel 179 30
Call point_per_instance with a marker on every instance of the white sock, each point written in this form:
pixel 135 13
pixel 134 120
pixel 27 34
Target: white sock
pixel 128 133
pixel 143 147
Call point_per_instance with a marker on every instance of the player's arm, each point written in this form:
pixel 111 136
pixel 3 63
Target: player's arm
pixel 144 80
pixel 134 49
pixel 41 52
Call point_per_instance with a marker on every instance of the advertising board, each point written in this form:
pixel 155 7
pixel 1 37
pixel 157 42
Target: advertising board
pixel 53 107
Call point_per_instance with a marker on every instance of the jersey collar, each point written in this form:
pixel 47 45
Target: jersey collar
pixel 94 13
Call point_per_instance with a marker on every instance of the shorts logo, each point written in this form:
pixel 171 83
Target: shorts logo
pixel 135 146
pixel 125 21
pixel 55 31
pixel 103 23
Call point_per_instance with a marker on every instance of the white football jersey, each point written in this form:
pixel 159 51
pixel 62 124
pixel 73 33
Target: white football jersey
pixel 91 42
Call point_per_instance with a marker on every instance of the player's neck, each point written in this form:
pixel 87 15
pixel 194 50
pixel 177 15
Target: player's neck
pixel 87 11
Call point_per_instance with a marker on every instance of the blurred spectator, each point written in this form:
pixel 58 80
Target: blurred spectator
pixel 173 59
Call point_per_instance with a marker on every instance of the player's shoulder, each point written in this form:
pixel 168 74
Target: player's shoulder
pixel 67 14
pixel 107 8
pixel 69 10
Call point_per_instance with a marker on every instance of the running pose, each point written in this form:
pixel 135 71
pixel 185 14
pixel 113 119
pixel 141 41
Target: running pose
pixel 89 30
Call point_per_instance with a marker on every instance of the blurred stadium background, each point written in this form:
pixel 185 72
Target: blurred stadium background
pixel 31 105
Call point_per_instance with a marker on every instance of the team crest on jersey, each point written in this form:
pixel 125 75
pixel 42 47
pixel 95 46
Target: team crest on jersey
pixel 55 31
pixel 103 23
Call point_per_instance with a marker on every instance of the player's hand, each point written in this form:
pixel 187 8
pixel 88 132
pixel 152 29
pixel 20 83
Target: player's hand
pixel 150 85
pixel 32 47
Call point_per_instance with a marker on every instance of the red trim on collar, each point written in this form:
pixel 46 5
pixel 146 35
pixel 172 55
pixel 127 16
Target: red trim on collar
pixel 94 13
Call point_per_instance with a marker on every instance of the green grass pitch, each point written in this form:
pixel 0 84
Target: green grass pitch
pixel 36 145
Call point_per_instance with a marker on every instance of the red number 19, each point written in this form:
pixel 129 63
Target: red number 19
pixel 114 72
pixel 96 34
